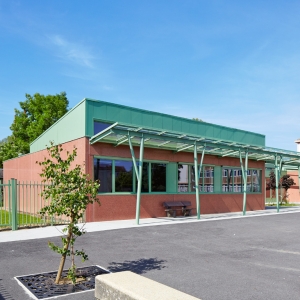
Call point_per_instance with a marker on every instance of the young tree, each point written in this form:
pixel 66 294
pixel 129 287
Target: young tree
pixel 286 182
pixel 68 191
pixel 36 114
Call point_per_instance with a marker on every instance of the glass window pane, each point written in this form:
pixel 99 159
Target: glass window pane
pixel 237 181
pixel 183 178
pixel 256 181
pixel 249 181
pixel 158 177
pixel 123 176
pixel 227 176
pixel 103 172
pixel 99 126
pixel 208 179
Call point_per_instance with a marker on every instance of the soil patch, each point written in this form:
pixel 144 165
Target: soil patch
pixel 43 286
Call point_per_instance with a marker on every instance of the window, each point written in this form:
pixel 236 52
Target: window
pixel 99 126
pixel 227 178
pixel 183 178
pixel 232 180
pixel 123 176
pixel 118 176
pixel 103 172
pixel 208 179
pixel 256 181
pixel 158 177
pixel 186 179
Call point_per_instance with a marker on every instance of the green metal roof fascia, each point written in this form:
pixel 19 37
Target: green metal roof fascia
pixel 65 115
pixel 173 117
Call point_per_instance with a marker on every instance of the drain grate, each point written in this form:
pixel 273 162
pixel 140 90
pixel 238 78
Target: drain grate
pixel 42 286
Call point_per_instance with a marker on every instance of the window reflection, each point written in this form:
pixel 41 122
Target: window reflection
pixel 186 179
pixel 123 176
pixel 208 179
pixel 103 172
pixel 227 176
pixel 99 126
pixel 158 177
pixel 183 178
pixel 232 180
pixel 256 181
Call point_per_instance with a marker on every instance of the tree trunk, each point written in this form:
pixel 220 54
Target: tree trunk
pixel 63 258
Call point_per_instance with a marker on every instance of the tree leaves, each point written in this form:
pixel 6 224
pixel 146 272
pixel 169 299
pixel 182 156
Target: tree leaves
pixel 36 114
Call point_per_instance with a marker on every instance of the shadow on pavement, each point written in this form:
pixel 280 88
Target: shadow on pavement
pixel 4 295
pixel 140 266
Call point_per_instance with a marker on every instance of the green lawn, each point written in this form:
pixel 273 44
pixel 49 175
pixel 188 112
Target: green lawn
pixel 23 219
pixel 272 201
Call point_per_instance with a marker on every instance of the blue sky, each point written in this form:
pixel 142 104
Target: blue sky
pixel 233 63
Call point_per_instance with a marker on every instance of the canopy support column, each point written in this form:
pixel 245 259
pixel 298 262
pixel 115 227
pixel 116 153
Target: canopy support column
pixel 276 183
pixel 278 168
pixel 244 174
pixel 196 180
pixel 138 173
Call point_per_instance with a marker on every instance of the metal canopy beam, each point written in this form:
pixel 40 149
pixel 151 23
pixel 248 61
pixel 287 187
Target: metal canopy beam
pixel 190 140
pixel 230 153
pixel 117 134
pixel 95 139
pixel 184 148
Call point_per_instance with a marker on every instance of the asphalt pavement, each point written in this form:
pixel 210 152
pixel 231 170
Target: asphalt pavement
pixel 225 256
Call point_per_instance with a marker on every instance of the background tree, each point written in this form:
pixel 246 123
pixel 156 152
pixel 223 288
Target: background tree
pixel 286 182
pixel 69 191
pixel 197 119
pixel 271 185
pixel 36 114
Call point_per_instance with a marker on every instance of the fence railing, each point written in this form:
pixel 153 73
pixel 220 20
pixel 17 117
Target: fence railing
pixel 20 203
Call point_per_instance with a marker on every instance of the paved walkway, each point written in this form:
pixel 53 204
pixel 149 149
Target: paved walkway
pixel 53 231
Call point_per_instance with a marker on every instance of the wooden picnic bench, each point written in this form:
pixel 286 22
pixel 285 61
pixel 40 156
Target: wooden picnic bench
pixel 171 208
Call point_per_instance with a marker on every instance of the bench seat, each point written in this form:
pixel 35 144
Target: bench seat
pixel 171 208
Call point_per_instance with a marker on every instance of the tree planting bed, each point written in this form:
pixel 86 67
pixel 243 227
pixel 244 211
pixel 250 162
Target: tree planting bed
pixel 42 286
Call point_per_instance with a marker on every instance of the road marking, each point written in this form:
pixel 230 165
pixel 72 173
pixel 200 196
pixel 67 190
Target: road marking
pixel 275 267
pixel 278 250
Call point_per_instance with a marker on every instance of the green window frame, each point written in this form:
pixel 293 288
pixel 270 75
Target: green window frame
pixel 117 178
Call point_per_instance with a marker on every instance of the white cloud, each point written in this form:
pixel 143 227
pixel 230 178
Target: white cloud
pixel 72 52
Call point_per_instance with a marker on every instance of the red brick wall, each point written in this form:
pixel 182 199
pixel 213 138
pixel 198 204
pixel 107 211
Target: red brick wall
pixel 114 207
pixel 25 168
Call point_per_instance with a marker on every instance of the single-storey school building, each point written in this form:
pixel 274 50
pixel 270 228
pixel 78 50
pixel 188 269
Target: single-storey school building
pixel 144 158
